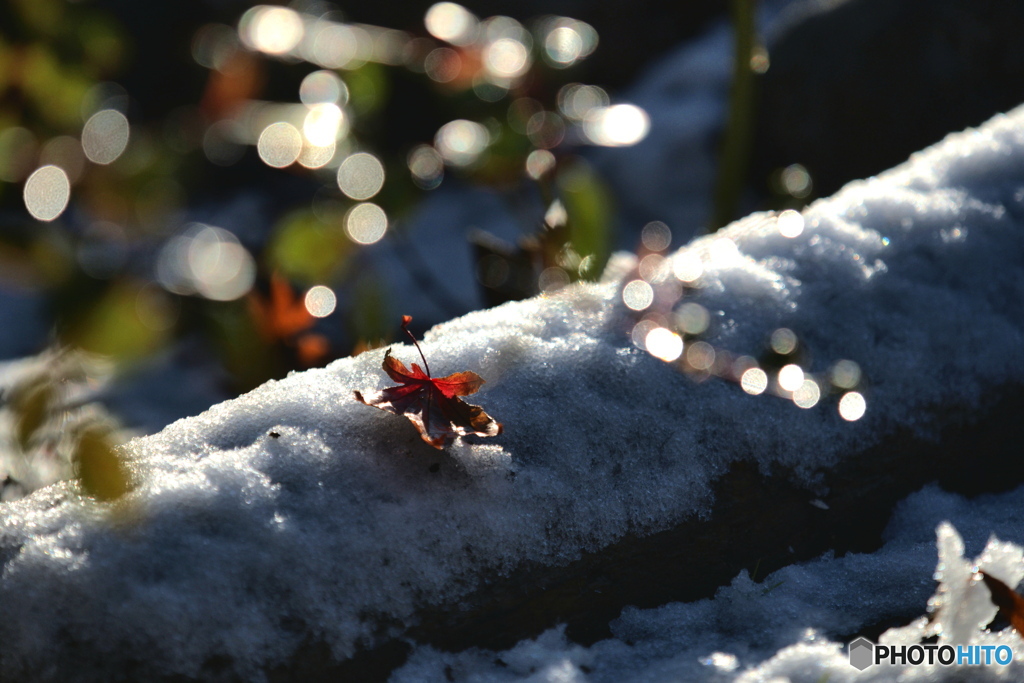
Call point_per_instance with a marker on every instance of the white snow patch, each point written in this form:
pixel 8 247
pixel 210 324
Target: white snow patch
pixel 239 545
pixel 782 627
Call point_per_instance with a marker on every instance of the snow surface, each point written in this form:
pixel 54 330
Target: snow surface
pixel 240 545
pixel 775 629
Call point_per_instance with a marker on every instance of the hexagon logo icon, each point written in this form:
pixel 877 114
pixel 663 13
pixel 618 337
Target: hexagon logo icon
pixel 862 653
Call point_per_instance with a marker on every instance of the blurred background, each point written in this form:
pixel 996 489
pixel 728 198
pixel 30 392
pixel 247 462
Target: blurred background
pixel 201 195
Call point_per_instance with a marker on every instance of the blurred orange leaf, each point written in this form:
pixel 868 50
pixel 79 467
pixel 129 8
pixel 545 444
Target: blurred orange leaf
pixel 230 87
pixel 312 349
pixel 280 315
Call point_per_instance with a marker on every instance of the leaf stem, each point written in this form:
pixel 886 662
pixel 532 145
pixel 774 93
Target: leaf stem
pixel 406 319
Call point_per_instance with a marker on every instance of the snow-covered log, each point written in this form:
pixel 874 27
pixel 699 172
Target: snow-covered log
pixel 295 532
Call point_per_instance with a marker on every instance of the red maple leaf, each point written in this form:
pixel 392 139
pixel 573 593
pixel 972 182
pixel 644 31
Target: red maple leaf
pixel 432 405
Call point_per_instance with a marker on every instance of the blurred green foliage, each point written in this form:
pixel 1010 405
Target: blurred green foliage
pixel 589 212
pixel 56 435
pixel 309 249
pixel 739 131
pixel 61 61
pixel 125 271
pixel 99 467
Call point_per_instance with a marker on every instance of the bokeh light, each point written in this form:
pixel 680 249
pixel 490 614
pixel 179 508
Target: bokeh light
pixel 426 167
pixel 443 65
pixel 852 406
pixel 619 125
pixel 687 267
pixel 664 344
pixel 506 58
pixel 208 261
pixel 790 223
pixel 279 144
pixel 324 124
pixel 461 142
pixel 791 377
pixel 754 381
pixel 47 192
pixel 552 279
pixel 796 181
pixel 317 156
pixel 105 136
pixel 172 269
pixel 320 301
pixel 640 331
pixel 272 30
pixel 701 355
pixel 566 41
pixel 845 374
pixel 366 223
pixel 638 295
pixel 807 394
pixel 563 45
pixel 451 23
pixel 323 87
pixel 338 46
pixel 361 176
pixel 651 268
pixel 498 27
pixel 760 60
pixel 576 100
pixel 783 341
pixel 223 270
pixel 692 318
pixel 656 236
pixel 539 163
